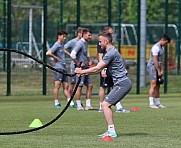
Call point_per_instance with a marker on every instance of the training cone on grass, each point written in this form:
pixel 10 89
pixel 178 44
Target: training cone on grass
pixel 135 109
pixel 107 138
pixel 36 123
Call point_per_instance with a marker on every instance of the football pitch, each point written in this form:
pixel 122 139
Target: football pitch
pixel 145 128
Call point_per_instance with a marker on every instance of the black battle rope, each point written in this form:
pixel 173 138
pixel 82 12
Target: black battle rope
pixel 46 65
pixel 49 123
pixel 59 115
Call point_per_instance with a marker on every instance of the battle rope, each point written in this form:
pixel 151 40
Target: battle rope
pixel 60 114
pixel 46 65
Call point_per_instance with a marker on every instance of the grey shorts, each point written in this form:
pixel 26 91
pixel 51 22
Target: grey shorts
pixel 72 79
pixel 119 91
pixel 85 80
pixel 152 72
pixel 60 77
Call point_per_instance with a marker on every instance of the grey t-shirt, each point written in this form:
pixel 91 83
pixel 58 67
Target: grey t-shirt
pixel 58 50
pixel 115 65
pixel 81 48
pixel 156 50
pixel 70 45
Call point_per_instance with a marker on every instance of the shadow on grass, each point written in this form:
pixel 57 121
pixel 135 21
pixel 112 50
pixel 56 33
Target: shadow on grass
pixel 134 134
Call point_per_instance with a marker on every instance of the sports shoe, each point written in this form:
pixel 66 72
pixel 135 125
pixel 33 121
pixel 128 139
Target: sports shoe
pixel 58 106
pixel 89 108
pixel 80 108
pixel 153 106
pixel 108 134
pixel 122 110
pixel 100 110
pixel 73 106
pixel 161 106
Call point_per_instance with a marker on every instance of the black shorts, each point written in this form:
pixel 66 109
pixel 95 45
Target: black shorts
pixel 106 82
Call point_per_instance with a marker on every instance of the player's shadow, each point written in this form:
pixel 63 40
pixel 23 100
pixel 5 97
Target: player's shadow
pixel 134 134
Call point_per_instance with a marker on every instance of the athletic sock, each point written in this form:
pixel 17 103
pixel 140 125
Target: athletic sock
pixel 151 101
pixel 118 106
pixel 56 102
pixel 88 102
pixel 78 103
pixel 71 103
pixel 111 129
pixel 157 101
pixel 100 106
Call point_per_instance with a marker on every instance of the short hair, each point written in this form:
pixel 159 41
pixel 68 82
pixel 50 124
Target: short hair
pixel 85 31
pixel 106 35
pixel 166 37
pixel 106 29
pixel 79 30
pixel 61 32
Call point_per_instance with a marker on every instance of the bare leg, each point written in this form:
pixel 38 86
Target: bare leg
pixel 101 93
pixel 108 114
pixel 65 90
pixel 71 88
pixel 89 91
pixel 56 89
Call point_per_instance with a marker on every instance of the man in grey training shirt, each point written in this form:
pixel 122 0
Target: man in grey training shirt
pixel 81 57
pixel 122 84
pixel 155 69
pixel 70 45
pixel 58 54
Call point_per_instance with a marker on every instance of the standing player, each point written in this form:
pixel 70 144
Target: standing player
pixel 122 84
pixel 70 45
pixel 105 78
pixel 155 69
pixel 80 56
pixel 57 53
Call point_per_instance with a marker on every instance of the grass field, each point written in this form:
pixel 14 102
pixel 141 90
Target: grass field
pixel 146 128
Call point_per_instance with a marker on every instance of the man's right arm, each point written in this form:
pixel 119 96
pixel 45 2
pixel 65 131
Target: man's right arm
pixel 155 61
pixel 74 52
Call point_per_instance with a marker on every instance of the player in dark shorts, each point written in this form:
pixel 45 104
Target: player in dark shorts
pixel 105 78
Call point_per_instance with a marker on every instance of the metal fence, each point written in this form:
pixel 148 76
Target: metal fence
pixel 27 35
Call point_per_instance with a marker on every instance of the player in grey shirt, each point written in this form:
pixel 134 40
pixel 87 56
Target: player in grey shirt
pixel 155 69
pixel 70 45
pixel 57 53
pixel 80 55
pixel 122 84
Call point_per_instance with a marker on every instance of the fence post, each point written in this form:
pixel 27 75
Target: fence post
pixel 119 26
pixel 44 44
pixel 4 34
pixel 138 51
pixel 9 47
pixel 109 13
pixel 166 49
pixel 78 13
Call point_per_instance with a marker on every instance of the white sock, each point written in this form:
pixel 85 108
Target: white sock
pixel 151 100
pixel 78 103
pixel 157 101
pixel 111 129
pixel 118 106
pixel 71 103
pixel 100 105
pixel 88 102
pixel 56 102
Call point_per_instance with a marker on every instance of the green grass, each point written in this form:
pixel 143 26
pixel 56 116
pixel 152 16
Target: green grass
pixel 146 128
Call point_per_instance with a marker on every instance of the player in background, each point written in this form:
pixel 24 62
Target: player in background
pixel 155 69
